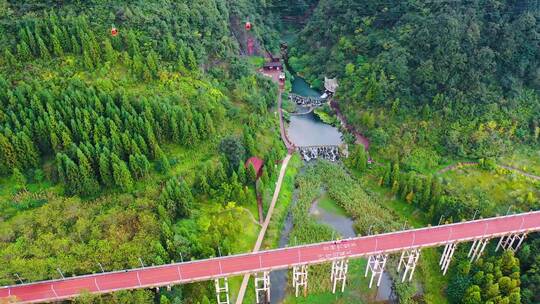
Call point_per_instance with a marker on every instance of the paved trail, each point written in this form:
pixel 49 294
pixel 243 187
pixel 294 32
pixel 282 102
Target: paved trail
pixel 257 246
pixel 290 148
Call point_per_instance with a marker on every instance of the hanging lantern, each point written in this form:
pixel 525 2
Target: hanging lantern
pixel 248 26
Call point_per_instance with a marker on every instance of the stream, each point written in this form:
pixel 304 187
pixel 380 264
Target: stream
pixel 309 130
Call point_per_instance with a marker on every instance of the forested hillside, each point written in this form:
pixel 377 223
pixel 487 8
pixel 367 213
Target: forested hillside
pixel 472 66
pixel 431 83
pixel 120 149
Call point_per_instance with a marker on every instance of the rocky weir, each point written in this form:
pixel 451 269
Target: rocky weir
pixel 327 152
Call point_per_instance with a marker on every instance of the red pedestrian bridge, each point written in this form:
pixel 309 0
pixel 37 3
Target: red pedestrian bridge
pixel 508 228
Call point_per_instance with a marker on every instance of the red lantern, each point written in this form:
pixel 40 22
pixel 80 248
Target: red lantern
pixel 248 26
pixel 114 31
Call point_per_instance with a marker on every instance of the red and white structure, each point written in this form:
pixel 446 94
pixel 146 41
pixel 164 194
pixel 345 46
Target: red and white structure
pixel 512 230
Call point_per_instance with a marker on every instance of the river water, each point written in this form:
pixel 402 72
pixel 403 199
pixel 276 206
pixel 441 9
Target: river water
pixel 308 129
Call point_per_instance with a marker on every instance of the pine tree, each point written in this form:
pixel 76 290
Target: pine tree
pixel 180 66
pixel 426 195
pixel 66 140
pixel 152 63
pixel 418 188
pixel 219 176
pixel 436 190
pixel 87 60
pixel 19 179
pixel 139 165
pixel 31 41
pixel 23 51
pixel 202 183
pixel 110 53
pixel 241 172
pixel 163 162
pixel 43 51
pixel 57 47
pixel 8 156
pixel 105 170
pixel 387 172
pixel 361 158
pixel 72 178
pixel 121 175
pixel 251 174
pixel 75 46
pixel 88 181
pixel 9 58
pixel 27 150
pixel 177 198
pixel 191 61
pixel 186 201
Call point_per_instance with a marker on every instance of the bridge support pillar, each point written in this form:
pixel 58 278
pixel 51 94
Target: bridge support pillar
pixel 477 249
pixel 262 287
pixel 446 257
pixel 222 292
pixel 511 241
pixel 409 259
pixel 300 278
pixel 339 274
pixel 376 264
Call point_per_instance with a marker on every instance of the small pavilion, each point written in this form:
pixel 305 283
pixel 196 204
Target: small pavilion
pixel 330 85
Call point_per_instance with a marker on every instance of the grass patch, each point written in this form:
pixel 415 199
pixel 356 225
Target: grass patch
pixel 495 189
pixel 329 205
pixel 523 158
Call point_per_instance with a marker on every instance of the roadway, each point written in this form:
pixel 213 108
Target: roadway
pixel 181 273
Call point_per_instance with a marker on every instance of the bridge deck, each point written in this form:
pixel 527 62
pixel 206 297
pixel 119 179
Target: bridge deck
pixel 180 273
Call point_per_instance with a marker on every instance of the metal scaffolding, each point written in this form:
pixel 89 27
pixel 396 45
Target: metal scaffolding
pixel 376 264
pixel 446 257
pixel 508 242
pixel 409 259
pixel 339 273
pixel 477 248
pixel 262 287
pixel 222 292
pixel 300 278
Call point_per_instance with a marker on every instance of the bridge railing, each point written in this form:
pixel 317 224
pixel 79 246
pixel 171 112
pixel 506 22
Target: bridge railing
pixel 213 268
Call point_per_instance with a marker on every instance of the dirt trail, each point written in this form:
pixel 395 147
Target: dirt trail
pixel 468 164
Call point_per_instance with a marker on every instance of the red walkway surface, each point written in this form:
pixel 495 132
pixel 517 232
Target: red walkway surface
pixel 181 273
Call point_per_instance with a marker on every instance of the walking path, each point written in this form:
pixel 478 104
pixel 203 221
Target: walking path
pixel 257 247
pixel 463 164
pixel 290 148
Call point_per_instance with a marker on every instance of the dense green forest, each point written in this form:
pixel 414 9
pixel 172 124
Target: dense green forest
pixel 124 148
pixel 128 149
pixel 407 69
pixel 432 83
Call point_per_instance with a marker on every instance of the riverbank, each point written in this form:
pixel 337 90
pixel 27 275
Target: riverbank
pixel 360 138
